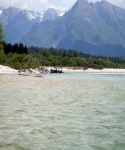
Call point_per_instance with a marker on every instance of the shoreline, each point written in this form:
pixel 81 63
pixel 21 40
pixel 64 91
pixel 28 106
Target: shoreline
pixel 91 70
pixel 8 70
pixel 9 75
pixel 105 70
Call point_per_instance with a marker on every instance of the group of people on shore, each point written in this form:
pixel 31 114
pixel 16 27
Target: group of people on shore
pixel 56 71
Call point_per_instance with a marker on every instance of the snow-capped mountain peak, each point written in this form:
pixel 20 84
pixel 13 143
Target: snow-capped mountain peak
pixel 18 21
pixel 32 16
pixel 1 10
pixel 52 13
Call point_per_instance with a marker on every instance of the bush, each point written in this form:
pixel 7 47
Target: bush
pixel 18 61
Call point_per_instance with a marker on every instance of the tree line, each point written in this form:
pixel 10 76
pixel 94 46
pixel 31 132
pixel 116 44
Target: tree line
pixel 16 48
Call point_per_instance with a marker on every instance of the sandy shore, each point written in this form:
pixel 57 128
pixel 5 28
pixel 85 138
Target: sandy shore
pixel 106 70
pixel 6 69
pixel 91 70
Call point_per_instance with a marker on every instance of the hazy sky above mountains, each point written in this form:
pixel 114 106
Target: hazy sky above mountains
pixel 39 5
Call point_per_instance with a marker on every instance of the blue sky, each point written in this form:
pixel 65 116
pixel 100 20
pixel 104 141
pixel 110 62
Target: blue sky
pixel 39 5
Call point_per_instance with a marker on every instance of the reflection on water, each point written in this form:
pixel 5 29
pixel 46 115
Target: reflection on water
pixel 72 111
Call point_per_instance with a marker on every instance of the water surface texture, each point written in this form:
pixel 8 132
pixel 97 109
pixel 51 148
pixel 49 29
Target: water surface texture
pixel 71 111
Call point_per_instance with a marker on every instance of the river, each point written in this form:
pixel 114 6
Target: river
pixel 70 111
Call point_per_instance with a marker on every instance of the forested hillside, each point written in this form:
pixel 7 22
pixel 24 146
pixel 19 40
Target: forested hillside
pixel 19 56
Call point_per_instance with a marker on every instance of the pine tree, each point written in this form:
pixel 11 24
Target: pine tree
pixel 1 44
pixel 1 34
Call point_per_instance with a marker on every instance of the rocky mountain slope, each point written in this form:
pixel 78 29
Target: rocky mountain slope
pixel 95 28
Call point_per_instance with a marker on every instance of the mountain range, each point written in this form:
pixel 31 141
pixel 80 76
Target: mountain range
pixel 94 28
pixel 16 22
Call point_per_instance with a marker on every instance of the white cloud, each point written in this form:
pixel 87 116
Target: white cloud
pixel 26 4
pixel 39 5
pixel 120 3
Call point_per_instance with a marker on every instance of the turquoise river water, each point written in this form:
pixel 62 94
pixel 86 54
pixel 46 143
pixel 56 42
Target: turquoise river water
pixel 70 111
